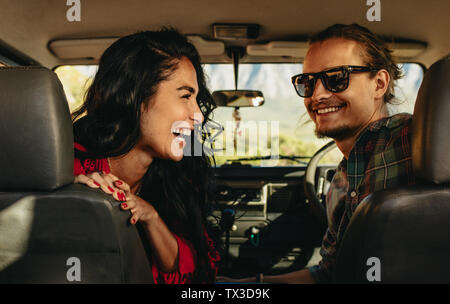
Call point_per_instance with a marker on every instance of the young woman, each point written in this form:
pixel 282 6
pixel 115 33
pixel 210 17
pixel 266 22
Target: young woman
pixel 146 100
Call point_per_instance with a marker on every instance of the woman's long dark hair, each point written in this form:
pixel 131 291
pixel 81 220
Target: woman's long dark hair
pixel 108 124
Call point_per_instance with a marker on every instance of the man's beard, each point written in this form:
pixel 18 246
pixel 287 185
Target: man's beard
pixel 339 133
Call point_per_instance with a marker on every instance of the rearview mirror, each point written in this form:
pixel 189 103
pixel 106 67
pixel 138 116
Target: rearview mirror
pixel 238 98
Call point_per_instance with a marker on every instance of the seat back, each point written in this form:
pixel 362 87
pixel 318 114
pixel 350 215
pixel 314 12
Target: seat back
pixel 403 233
pixel 51 230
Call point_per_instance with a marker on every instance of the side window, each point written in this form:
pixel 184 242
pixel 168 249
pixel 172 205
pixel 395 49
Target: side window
pixel 406 88
pixel 76 80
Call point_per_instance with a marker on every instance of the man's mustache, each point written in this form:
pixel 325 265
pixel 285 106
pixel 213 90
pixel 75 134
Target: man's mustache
pixel 331 102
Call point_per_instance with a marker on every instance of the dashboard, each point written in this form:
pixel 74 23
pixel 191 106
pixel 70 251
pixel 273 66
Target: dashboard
pixel 264 218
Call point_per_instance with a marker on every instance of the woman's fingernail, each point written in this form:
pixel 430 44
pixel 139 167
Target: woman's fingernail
pixel 121 196
pixel 110 189
pixel 97 184
pixel 118 182
pixel 124 205
pixel 133 221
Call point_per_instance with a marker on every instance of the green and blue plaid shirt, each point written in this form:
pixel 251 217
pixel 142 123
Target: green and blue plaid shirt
pixel 380 159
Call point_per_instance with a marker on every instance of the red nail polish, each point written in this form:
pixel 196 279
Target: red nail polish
pixel 133 221
pixel 118 182
pixel 97 184
pixel 110 189
pixel 124 205
pixel 121 196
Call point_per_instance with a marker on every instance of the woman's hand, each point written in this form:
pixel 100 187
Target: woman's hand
pixel 140 209
pixel 111 184
pixel 104 181
pixel 161 239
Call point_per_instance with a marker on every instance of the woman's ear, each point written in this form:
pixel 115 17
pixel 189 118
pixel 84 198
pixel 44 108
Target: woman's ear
pixel 382 80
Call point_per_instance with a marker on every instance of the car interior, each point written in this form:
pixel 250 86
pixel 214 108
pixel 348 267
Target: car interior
pixel 272 173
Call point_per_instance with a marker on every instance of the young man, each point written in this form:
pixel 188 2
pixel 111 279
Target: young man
pixel 348 79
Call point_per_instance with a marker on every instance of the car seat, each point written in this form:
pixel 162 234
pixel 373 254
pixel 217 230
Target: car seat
pixel 405 232
pixel 51 230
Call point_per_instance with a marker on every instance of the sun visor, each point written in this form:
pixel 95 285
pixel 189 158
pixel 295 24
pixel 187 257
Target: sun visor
pixel 92 49
pixel 207 47
pixel 407 50
pixel 279 48
pixel 298 49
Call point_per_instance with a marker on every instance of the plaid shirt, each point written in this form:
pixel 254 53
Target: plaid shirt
pixel 380 159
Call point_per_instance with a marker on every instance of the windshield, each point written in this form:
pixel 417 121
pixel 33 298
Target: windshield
pixel 280 126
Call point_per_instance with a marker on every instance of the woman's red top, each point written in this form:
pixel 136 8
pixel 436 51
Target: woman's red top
pixel 186 253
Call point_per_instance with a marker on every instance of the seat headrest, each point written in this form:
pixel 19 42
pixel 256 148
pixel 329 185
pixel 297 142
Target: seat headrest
pixel 36 133
pixel 431 125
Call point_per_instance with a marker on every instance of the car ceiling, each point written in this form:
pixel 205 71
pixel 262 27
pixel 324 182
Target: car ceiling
pixel 29 26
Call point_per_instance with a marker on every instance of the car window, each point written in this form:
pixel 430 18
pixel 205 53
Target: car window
pixel 280 126
pixel 76 79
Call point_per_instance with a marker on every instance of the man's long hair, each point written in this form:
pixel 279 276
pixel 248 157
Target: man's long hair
pixel 376 53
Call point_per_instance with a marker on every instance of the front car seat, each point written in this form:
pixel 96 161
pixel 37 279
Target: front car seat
pixel 51 230
pixel 407 230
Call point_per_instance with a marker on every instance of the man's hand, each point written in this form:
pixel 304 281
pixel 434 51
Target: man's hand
pixel 222 279
pixel 296 277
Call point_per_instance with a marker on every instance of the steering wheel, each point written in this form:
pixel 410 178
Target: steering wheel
pixel 310 183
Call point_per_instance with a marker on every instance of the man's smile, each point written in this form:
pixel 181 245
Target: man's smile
pixel 328 110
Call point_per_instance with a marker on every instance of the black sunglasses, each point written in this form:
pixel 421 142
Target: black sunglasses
pixel 334 80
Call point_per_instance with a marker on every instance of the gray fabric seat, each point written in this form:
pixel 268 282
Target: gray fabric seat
pixel 45 220
pixel 408 229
